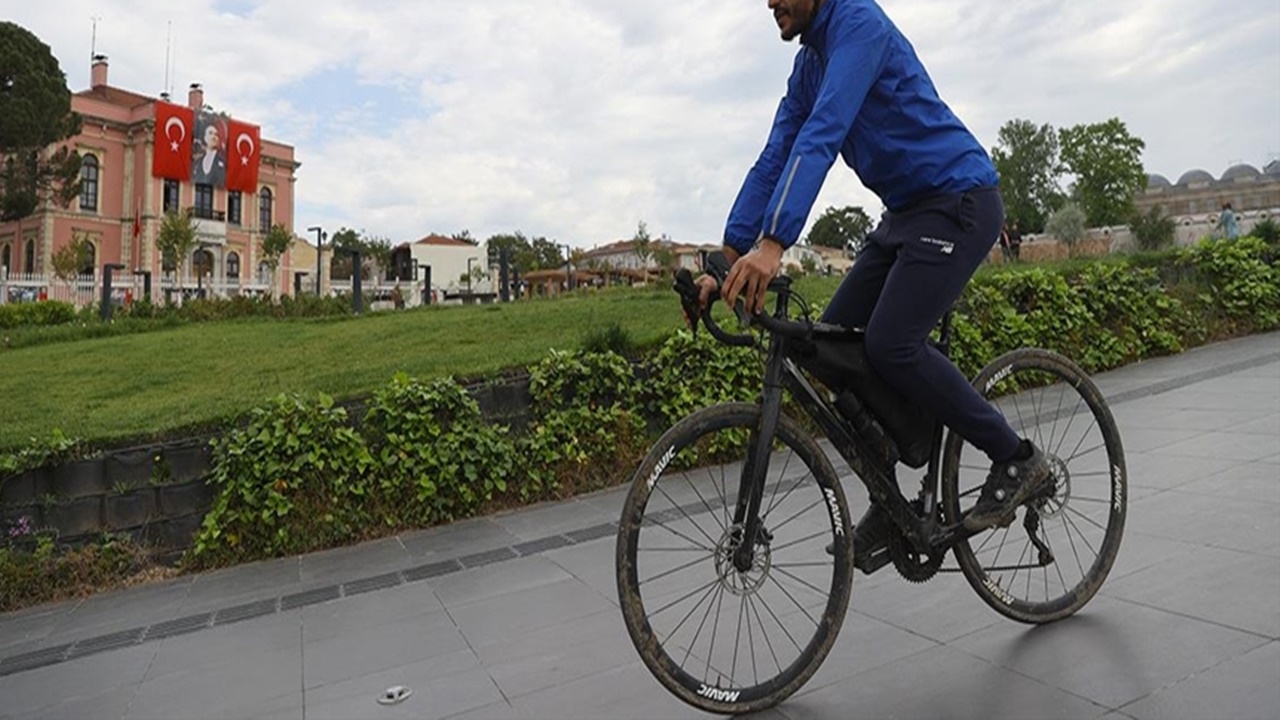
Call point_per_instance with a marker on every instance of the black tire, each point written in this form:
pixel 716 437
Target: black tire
pixel 1050 400
pixel 671 569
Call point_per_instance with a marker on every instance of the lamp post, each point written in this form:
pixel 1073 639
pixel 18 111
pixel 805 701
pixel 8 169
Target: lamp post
pixel 469 261
pixel 320 237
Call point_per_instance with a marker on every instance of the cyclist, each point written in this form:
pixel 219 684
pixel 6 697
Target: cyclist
pixel 858 89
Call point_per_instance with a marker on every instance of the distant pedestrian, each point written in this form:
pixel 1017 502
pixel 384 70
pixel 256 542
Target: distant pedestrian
pixel 1227 221
pixel 1006 250
pixel 1015 242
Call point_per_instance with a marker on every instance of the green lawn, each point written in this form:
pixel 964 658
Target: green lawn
pixel 144 385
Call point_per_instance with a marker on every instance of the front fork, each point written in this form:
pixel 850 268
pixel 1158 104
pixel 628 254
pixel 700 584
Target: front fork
pixel 755 471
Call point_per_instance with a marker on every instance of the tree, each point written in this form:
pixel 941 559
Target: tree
pixel 643 244
pixel 1107 163
pixel 374 252
pixel 547 253
pixel 70 259
pixel 176 240
pixel 35 113
pixel 465 236
pixel 1068 224
pixel 519 251
pixel 845 227
pixel 1153 230
pixel 1026 157
pixel 276 243
pixel 665 257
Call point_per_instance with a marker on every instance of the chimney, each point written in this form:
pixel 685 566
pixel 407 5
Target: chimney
pixel 195 96
pixel 98 72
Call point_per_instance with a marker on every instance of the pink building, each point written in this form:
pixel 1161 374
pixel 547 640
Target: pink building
pixel 121 203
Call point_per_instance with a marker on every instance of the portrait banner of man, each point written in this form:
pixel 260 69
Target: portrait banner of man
pixel 208 151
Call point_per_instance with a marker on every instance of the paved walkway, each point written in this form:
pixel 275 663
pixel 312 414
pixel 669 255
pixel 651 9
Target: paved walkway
pixel 516 616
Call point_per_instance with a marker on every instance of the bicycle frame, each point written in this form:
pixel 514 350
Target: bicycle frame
pixel 922 530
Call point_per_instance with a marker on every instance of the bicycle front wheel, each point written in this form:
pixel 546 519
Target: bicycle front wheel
pixel 1051 561
pixel 722 640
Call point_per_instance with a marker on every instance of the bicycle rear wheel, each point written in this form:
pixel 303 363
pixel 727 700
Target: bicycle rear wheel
pixel 1050 400
pixel 722 640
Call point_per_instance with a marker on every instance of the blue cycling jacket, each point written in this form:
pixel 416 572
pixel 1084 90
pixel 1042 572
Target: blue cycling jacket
pixel 857 88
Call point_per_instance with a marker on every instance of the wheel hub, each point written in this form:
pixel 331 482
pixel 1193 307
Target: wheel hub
pixel 749 582
pixel 1053 506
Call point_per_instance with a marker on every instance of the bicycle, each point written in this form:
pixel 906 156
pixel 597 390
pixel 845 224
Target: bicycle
pixel 718 491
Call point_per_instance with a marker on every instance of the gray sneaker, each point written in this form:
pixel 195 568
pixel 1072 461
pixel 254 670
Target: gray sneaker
pixel 1009 484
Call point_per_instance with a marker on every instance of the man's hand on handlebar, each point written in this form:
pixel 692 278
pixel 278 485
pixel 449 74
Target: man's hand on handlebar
pixel 751 275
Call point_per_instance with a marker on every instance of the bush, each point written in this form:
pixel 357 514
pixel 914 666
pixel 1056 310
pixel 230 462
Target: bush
pixel 49 573
pixel 43 314
pixel 294 480
pixel 437 458
pixel 1153 230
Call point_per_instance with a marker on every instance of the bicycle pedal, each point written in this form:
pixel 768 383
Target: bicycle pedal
pixel 869 563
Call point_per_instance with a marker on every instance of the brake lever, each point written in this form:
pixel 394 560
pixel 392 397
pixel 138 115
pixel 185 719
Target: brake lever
pixel 688 291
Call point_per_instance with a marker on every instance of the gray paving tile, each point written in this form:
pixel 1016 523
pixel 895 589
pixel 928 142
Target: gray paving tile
pixel 1220 586
pixel 1166 472
pixel 380 647
pixel 1142 439
pixel 591 564
pixel 552 519
pixel 1111 652
pixel 1226 522
pixel 235 687
pixel 75 680
pixel 111 705
pixel 209 647
pixel 1195 419
pixel 864 644
pixel 497 711
pixel 1268 426
pixel 1139 552
pixel 1258 481
pixel 356 614
pixel 1243 687
pixel 940 683
pixel 21 630
pixel 491 620
pixel 1236 447
pixel 233 586
pixel 490 581
pixel 554 655
pixel 121 610
pixel 457 539
pixel 442 686
pixel 941 610
pixel 624 693
pixel 351 563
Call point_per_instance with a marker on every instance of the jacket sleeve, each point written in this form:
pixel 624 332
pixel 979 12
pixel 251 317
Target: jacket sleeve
pixel 855 56
pixel 747 216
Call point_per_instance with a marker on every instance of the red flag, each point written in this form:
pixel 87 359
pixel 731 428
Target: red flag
pixel 171 157
pixel 244 154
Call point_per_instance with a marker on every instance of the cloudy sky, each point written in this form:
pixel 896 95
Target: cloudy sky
pixel 576 119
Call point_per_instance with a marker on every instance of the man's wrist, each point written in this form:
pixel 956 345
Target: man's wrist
pixel 771 245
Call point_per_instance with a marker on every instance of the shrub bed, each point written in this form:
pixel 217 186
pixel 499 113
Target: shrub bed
pixel 303 475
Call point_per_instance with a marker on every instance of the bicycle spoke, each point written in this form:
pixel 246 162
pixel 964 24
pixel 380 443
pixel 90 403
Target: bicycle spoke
pixel 781 475
pixel 793 600
pixel 709 588
pixel 789 520
pixel 677 569
pixel 689 482
pixel 1074 551
pixel 793 543
pixel 688 517
pixel 802 581
pixel 768 643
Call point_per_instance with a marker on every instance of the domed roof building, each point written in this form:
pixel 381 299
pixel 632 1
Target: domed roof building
pixel 1194 177
pixel 1157 181
pixel 1241 173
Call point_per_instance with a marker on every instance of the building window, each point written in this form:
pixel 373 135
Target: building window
pixel 233 266
pixel 29 259
pixel 234 203
pixel 204 201
pixel 5 257
pixel 264 273
pixel 202 263
pixel 89 183
pixel 264 210
pixel 90 260
pixel 171 201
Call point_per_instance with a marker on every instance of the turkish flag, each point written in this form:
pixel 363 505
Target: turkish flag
pixel 244 154
pixel 171 157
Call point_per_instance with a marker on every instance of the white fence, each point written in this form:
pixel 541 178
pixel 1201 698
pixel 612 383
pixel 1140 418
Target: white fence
pixel 86 290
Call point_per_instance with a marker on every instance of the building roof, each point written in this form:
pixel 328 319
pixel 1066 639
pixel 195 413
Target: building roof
pixel 1195 176
pixel 1156 180
pixel 442 241
pixel 1243 171
pixel 116 96
pixel 1272 169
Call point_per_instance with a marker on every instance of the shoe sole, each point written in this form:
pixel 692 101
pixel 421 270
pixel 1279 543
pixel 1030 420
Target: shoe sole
pixel 1004 519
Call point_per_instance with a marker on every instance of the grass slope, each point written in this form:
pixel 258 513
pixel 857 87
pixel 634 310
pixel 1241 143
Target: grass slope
pixel 144 385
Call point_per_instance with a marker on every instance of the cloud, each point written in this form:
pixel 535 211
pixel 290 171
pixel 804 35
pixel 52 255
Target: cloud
pixel 575 119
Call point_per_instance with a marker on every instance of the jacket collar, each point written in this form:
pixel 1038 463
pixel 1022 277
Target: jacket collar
pixel 815 37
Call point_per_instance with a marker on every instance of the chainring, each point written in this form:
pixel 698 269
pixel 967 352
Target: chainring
pixel 911 564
